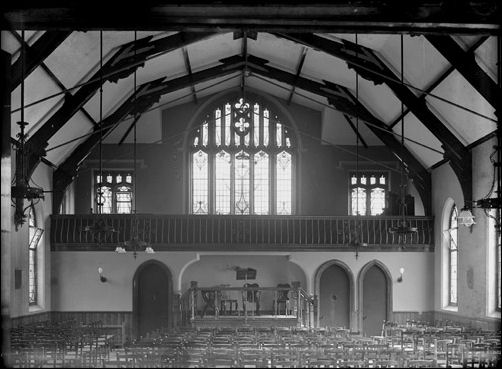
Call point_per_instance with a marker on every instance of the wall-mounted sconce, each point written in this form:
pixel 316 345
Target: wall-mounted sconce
pixel 102 278
pixel 401 273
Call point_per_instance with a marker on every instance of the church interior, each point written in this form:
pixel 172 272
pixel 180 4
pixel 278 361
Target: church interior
pixel 223 184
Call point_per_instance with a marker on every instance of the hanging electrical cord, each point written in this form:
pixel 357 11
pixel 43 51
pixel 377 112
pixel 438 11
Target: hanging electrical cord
pixel 135 242
pixel 101 179
pixel 403 228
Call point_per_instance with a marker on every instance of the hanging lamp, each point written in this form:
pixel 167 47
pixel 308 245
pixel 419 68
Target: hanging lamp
pixel 21 190
pixel 135 243
pixel 355 235
pixel 100 226
pixel 403 228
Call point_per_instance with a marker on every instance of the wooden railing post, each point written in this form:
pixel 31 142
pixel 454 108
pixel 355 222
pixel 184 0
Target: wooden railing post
pixel 193 287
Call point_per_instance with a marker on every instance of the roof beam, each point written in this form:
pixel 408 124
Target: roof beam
pixel 439 80
pixel 365 62
pixel 55 79
pixel 35 54
pixel 343 100
pixel 356 131
pixel 124 62
pixel 434 16
pixel 146 95
pixel 465 63
pixel 299 67
pixel 188 67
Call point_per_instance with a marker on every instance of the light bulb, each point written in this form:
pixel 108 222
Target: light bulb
pixel 401 270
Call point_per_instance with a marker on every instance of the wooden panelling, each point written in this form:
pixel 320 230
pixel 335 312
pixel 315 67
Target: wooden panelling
pixel 30 319
pixel 247 233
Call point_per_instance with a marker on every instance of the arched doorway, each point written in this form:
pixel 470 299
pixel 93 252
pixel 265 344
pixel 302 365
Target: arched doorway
pixel 375 297
pixel 152 298
pixel 335 291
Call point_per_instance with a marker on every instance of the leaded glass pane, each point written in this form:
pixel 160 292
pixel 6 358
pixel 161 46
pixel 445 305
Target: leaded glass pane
pixel 118 178
pixel 205 134
pixel 377 200
pixel 109 178
pixel 32 277
pixel 228 118
pixel 124 200
pixel 358 197
pixel 382 180
pixel 453 255
pixel 217 127
pixel 363 179
pixel 278 134
pixel 284 183
pixel 353 180
pixel 222 183
pixel 261 183
pixel 265 127
pixel 241 183
pixel 200 176
pixel 105 199
pixel 129 178
pixel 256 121
pixel 372 180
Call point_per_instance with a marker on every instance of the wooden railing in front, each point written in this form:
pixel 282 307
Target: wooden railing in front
pixel 247 302
pixel 231 232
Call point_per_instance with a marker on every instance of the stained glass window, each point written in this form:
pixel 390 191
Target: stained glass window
pixel 368 191
pixel 35 234
pixel 200 192
pixel 236 164
pixel 452 258
pixel 115 194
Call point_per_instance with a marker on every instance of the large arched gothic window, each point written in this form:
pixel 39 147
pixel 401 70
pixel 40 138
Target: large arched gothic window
pixel 242 160
pixel 452 257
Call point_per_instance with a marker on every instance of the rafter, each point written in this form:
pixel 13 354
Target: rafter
pixel 129 57
pixel 465 63
pixel 56 80
pixel 439 80
pixel 365 62
pixel 356 131
pixel 35 54
pixel 301 60
pixel 188 67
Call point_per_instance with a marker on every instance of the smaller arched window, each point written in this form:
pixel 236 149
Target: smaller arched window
pixel 35 233
pixel 452 257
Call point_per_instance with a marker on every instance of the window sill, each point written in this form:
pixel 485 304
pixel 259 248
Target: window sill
pixel 35 308
pixel 494 314
pixel 451 308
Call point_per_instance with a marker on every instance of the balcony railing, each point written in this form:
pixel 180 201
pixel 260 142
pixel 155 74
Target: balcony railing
pixel 229 232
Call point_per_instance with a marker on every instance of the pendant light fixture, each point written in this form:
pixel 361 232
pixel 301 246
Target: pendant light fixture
pixel 403 228
pixel 100 226
pixel 355 235
pixel 135 243
pixel 21 190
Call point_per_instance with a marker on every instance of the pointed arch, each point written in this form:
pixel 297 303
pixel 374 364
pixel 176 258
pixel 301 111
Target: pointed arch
pixel 360 287
pixel 248 146
pixel 352 290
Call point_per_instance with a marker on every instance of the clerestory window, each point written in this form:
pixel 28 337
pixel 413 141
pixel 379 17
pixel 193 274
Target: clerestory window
pixel 35 233
pixel 242 161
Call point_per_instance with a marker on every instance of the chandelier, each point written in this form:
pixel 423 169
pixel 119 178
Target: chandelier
pixel 135 243
pixel 21 189
pixel 403 227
